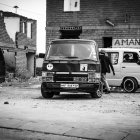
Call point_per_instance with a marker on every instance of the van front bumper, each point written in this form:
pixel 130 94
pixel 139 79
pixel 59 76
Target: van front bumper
pixel 57 87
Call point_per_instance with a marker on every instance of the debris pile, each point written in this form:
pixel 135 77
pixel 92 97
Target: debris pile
pixel 11 80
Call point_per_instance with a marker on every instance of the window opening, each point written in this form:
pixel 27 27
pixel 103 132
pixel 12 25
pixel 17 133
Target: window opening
pixel 107 42
pixel 29 30
pixel 24 27
pixel 130 57
pixel 71 5
pixel 114 56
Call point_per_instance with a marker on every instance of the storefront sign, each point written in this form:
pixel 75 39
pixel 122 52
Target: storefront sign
pixel 134 43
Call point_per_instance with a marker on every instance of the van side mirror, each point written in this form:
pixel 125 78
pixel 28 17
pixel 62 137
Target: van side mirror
pixel 41 55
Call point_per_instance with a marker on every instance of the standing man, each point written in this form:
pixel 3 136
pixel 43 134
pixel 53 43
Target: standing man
pixel 105 68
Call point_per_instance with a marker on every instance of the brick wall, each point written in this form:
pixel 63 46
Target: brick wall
pixel 125 14
pixel 25 63
pixel 21 62
pixel 93 12
pixel 97 34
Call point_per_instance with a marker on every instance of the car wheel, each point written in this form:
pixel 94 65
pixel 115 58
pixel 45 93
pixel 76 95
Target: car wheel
pixel 45 94
pixel 97 94
pixel 130 85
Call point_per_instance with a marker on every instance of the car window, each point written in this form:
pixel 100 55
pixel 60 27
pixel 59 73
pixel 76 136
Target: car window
pixel 130 57
pixel 114 56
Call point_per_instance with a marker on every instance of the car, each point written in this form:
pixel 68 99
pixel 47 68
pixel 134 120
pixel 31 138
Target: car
pixel 71 65
pixel 126 63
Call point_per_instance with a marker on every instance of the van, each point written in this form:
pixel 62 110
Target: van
pixel 71 65
pixel 126 63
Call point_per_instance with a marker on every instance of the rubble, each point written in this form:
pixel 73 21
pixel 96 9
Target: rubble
pixel 6 102
pixel 19 82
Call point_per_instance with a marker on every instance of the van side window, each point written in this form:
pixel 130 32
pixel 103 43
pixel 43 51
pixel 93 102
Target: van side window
pixel 130 57
pixel 114 57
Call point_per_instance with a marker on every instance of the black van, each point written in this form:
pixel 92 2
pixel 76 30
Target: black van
pixel 71 65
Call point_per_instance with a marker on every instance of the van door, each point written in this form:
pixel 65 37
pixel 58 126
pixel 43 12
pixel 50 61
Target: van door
pixel 115 80
pixel 129 65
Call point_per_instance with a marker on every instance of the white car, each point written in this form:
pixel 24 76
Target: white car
pixel 126 63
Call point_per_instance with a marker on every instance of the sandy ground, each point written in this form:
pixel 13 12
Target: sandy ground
pixel 71 116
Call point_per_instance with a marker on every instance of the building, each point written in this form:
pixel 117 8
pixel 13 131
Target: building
pixel 17 43
pixel 111 23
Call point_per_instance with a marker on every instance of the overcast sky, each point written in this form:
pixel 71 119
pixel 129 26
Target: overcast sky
pixel 35 9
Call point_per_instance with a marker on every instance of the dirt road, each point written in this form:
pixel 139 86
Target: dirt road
pixel 25 114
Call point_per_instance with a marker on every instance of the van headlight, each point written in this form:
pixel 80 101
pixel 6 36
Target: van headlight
pixel 94 77
pixel 47 76
pixel 97 75
pixel 43 74
pixel 91 76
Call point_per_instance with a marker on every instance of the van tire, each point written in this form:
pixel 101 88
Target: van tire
pixel 57 93
pixel 97 94
pixel 130 85
pixel 45 94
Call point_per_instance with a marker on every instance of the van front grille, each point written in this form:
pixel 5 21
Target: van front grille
pixel 71 77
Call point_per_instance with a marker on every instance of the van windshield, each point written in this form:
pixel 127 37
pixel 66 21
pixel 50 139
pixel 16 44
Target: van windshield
pixel 73 51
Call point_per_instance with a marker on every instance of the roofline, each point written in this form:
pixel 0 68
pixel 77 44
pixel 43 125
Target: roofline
pixel 122 48
pixel 10 14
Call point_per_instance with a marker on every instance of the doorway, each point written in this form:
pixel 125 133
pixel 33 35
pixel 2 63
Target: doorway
pixel 30 62
pixel 2 67
pixel 107 42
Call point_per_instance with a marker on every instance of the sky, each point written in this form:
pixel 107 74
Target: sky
pixel 35 9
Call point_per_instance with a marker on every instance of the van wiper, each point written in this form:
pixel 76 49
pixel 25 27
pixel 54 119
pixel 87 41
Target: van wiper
pixel 87 59
pixel 71 57
pixel 57 56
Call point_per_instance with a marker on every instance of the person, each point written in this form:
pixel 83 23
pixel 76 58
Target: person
pixel 105 68
pixel 126 58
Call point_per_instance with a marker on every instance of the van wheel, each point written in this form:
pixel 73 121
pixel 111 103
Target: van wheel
pixel 97 94
pixel 130 85
pixel 45 94
pixel 57 93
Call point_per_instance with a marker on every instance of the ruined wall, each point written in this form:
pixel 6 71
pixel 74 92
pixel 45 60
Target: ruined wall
pixel 15 44
pixel 8 64
pixel 23 42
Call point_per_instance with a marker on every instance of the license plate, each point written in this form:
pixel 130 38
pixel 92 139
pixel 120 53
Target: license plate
pixel 69 85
